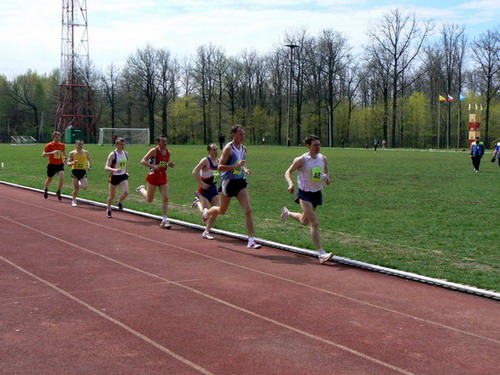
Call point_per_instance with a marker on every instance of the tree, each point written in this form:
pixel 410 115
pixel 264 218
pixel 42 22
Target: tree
pixel 144 69
pixel 399 37
pixel 486 55
pixel 28 91
pixel 110 87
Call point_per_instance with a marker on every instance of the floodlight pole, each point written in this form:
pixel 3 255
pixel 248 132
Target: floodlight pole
pixel 290 112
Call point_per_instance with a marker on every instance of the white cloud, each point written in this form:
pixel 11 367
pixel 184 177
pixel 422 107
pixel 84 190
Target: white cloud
pixel 31 29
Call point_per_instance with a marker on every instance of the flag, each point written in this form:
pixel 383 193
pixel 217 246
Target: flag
pixel 450 98
pixel 469 107
pixel 462 98
pixel 441 98
pixel 476 106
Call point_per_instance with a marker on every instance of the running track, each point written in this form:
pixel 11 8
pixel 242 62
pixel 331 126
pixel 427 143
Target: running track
pixel 83 294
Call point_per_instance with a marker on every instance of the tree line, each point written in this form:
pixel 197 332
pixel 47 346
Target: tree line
pixel 309 84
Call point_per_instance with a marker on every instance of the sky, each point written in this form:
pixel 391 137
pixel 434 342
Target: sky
pixel 30 30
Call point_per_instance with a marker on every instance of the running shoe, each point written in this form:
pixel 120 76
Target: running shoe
pixel 45 194
pixel 109 214
pixel 139 188
pixel 195 202
pixel 73 203
pixel 165 224
pixel 207 236
pixel 254 245
pixel 120 205
pixel 284 214
pixel 325 257
pixel 58 195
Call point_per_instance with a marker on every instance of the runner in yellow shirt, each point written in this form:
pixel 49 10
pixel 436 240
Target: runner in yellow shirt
pixel 80 161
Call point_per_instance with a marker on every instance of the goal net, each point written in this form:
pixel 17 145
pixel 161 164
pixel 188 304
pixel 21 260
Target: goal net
pixel 131 135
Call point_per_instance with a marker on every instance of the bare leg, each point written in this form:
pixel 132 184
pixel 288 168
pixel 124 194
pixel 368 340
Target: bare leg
pixel 244 199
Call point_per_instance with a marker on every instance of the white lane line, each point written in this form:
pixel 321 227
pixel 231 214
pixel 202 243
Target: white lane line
pixel 352 299
pixel 270 320
pixel 111 319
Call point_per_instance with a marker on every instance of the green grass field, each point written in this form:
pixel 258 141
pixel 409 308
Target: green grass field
pixel 417 211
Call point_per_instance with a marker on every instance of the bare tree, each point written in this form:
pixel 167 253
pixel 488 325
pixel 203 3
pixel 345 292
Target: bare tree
pixel 144 68
pixel 399 37
pixel 486 55
pixel 27 91
pixel 110 82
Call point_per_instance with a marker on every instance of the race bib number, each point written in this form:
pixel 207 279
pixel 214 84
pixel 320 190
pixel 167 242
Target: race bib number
pixel 80 165
pixel 316 174
pixel 123 163
pixel 57 155
pixel 238 170
pixel 216 176
pixel 163 164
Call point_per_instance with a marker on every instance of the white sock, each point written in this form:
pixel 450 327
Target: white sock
pixel 164 218
pixel 321 251
pixel 251 239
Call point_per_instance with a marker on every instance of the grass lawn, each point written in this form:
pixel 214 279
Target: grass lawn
pixel 417 211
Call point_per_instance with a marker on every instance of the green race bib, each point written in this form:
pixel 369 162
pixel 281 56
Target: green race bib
pixel 216 176
pixel 123 163
pixel 316 174
pixel 57 155
pixel 163 164
pixel 238 170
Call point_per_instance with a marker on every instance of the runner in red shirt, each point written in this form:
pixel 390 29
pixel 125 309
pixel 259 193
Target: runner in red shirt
pixel 56 152
pixel 157 160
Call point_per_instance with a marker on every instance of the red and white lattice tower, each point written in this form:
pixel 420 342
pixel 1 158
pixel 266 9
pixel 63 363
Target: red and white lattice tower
pixel 75 107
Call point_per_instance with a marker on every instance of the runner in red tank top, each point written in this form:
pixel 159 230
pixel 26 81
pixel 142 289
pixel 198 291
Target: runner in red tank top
pixel 157 160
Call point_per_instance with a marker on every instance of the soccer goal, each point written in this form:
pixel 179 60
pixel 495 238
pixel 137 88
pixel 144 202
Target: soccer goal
pixel 131 135
pixel 22 139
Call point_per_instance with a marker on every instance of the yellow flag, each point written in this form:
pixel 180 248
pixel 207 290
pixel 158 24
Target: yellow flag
pixel 442 98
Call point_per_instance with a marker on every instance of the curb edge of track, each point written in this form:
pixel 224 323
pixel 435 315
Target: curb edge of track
pixel 347 261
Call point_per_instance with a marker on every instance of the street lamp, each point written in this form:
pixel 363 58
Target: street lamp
pixel 290 114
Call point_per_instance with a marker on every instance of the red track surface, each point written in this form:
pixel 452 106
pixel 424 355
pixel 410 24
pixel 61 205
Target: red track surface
pixel 83 294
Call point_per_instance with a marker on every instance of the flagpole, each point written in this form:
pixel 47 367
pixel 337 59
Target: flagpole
pixel 458 122
pixel 438 121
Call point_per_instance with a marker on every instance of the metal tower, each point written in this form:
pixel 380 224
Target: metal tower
pixel 75 107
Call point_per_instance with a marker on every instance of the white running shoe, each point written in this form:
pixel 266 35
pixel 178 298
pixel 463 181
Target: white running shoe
pixel 139 188
pixel 73 203
pixel 207 236
pixel 254 245
pixel 325 257
pixel 165 224
pixel 284 214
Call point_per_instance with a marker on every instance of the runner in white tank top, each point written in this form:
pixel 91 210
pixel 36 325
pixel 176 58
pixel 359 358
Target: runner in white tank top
pixel 312 174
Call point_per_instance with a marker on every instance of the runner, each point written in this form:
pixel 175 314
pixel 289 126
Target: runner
pixel 207 175
pixel 157 160
pixel 79 159
pixel 117 165
pixel 56 152
pixel 232 166
pixel 313 173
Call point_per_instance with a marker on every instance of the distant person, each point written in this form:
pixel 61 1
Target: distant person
pixel 56 152
pixel 375 144
pixel 207 174
pixel 80 161
pixel 342 143
pixel 496 153
pixel 384 143
pixel 113 139
pixel 117 165
pixel 222 140
pixel 232 165
pixel 157 160
pixel 312 174
pixel 476 153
